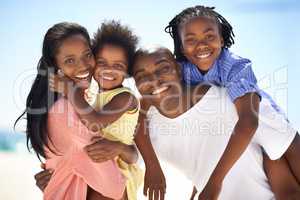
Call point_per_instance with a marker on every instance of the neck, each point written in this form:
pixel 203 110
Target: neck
pixel 176 103
pixel 107 89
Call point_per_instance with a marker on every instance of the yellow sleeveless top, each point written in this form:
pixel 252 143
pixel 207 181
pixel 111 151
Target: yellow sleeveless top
pixel 122 130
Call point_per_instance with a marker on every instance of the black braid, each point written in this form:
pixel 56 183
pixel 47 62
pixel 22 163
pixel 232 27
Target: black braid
pixel 198 11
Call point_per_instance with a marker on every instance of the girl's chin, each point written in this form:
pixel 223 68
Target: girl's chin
pixel 83 84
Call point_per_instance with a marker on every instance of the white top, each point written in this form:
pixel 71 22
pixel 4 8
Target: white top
pixel 194 142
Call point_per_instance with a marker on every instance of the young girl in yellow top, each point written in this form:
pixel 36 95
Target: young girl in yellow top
pixel 114 112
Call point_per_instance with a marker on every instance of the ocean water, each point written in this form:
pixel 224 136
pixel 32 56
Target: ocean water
pixel 12 141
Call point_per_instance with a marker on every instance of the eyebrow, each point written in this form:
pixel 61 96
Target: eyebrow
pixel 162 60
pixel 138 71
pixel 159 61
pixel 205 31
pixel 72 55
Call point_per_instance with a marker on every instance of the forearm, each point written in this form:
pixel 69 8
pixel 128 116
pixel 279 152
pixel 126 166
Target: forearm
pixel 144 144
pixel 92 119
pixel 240 139
pixel 128 153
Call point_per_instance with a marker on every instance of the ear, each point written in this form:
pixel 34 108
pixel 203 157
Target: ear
pixel 178 69
pixel 222 41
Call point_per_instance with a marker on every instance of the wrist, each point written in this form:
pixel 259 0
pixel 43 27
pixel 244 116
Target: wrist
pixel 216 178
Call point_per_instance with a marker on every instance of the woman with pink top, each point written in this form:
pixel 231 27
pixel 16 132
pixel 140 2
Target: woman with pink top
pixel 56 133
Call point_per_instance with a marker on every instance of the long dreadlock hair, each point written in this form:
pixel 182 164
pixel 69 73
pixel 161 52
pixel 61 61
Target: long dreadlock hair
pixel 198 11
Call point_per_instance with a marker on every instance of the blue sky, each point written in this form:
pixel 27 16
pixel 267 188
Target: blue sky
pixel 267 32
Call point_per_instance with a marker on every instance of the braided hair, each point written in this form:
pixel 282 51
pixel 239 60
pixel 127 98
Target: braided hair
pixel 198 11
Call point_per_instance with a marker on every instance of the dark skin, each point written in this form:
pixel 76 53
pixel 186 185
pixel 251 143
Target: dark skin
pixel 202 44
pixel 76 65
pixel 143 139
pixel 111 63
pixel 147 71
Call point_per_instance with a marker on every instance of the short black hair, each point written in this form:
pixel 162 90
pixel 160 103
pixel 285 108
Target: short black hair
pixel 198 11
pixel 114 33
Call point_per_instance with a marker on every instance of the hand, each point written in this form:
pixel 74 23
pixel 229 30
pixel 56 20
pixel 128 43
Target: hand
pixel 211 191
pixel 103 149
pixel 43 177
pixel 60 83
pixel 154 183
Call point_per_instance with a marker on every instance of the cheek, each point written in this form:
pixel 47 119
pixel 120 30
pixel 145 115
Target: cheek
pixel 187 50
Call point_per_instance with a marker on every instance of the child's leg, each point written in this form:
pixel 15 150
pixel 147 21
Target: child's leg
pixel 292 156
pixel 282 181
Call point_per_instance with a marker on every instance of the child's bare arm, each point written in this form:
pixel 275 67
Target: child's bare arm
pixel 247 108
pixel 96 120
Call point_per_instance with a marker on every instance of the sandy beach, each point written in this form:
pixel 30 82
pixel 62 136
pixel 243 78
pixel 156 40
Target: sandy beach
pixel 17 181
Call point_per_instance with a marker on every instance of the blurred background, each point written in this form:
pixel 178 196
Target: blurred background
pixel 267 32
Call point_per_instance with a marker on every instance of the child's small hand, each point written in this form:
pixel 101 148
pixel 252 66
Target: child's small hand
pixel 211 191
pixel 60 84
pixel 43 177
pixel 103 149
pixel 154 183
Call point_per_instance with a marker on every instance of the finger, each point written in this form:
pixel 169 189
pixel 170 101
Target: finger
pixel 103 157
pixel 150 194
pixel 162 194
pixel 96 147
pixel 101 151
pixel 42 174
pixel 145 191
pixel 96 138
pixel 156 194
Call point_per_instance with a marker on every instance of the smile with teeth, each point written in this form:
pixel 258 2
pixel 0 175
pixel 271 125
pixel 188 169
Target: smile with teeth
pixel 83 76
pixel 108 78
pixel 160 90
pixel 203 55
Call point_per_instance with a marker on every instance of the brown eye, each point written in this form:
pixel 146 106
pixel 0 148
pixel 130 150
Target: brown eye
pixel 190 41
pixel 101 63
pixel 89 55
pixel 119 67
pixel 69 61
pixel 164 70
pixel 210 37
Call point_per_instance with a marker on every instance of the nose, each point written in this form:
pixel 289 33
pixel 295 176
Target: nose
pixel 84 65
pixel 201 44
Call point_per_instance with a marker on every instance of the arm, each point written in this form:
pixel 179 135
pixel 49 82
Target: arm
pixel 92 119
pixel 102 150
pixel 247 108
pixel 108 114
pixel 154 182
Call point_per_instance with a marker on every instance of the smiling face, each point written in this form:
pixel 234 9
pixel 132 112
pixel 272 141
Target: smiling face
pixel 156 74
pixel 201 41
pixel 75 60
pixel 111 66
